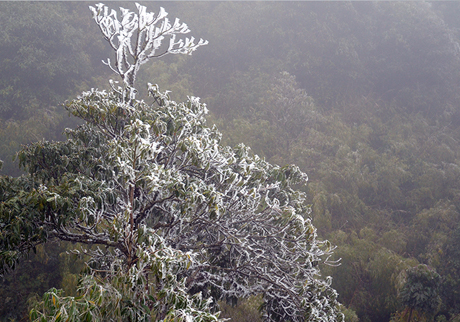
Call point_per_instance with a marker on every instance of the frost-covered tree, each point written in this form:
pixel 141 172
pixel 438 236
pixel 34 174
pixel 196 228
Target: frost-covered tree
pixel 174 221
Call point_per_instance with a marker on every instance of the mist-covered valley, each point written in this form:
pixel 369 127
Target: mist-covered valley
pixel 362 96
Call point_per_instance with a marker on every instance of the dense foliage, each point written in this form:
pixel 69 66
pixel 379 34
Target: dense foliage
pixel 363 96
pixel 420 291
pixel 43 64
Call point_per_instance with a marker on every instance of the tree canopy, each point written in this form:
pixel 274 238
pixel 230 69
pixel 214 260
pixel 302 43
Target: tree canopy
pixel 175 219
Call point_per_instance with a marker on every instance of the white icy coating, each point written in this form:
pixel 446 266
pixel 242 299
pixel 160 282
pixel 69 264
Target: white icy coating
pixel 182 219
pixel 236 218
pixel 138 37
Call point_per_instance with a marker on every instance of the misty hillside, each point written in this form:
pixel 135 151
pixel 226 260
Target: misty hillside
pixel 362 96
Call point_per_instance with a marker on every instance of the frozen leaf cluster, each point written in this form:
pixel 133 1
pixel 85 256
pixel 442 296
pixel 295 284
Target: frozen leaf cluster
pixel 148 291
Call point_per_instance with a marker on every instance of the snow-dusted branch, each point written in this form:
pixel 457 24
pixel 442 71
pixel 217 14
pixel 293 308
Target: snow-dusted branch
pixel 137 37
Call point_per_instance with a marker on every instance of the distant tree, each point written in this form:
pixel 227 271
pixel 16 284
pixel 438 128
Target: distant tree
pixel 175 220
pixel 420 292
pixel 450 270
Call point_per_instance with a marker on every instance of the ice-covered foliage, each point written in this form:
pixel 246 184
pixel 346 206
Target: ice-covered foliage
pixel 175 220
pixel 149 290
pixel 138 37
pixel 229 223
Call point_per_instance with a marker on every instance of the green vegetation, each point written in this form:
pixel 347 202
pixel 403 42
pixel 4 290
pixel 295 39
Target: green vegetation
pixel 42 64
pixel 362 96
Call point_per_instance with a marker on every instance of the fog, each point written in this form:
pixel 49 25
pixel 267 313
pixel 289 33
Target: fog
pixel 362 96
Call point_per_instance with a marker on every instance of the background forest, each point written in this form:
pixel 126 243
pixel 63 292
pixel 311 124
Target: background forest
pixel 362 96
